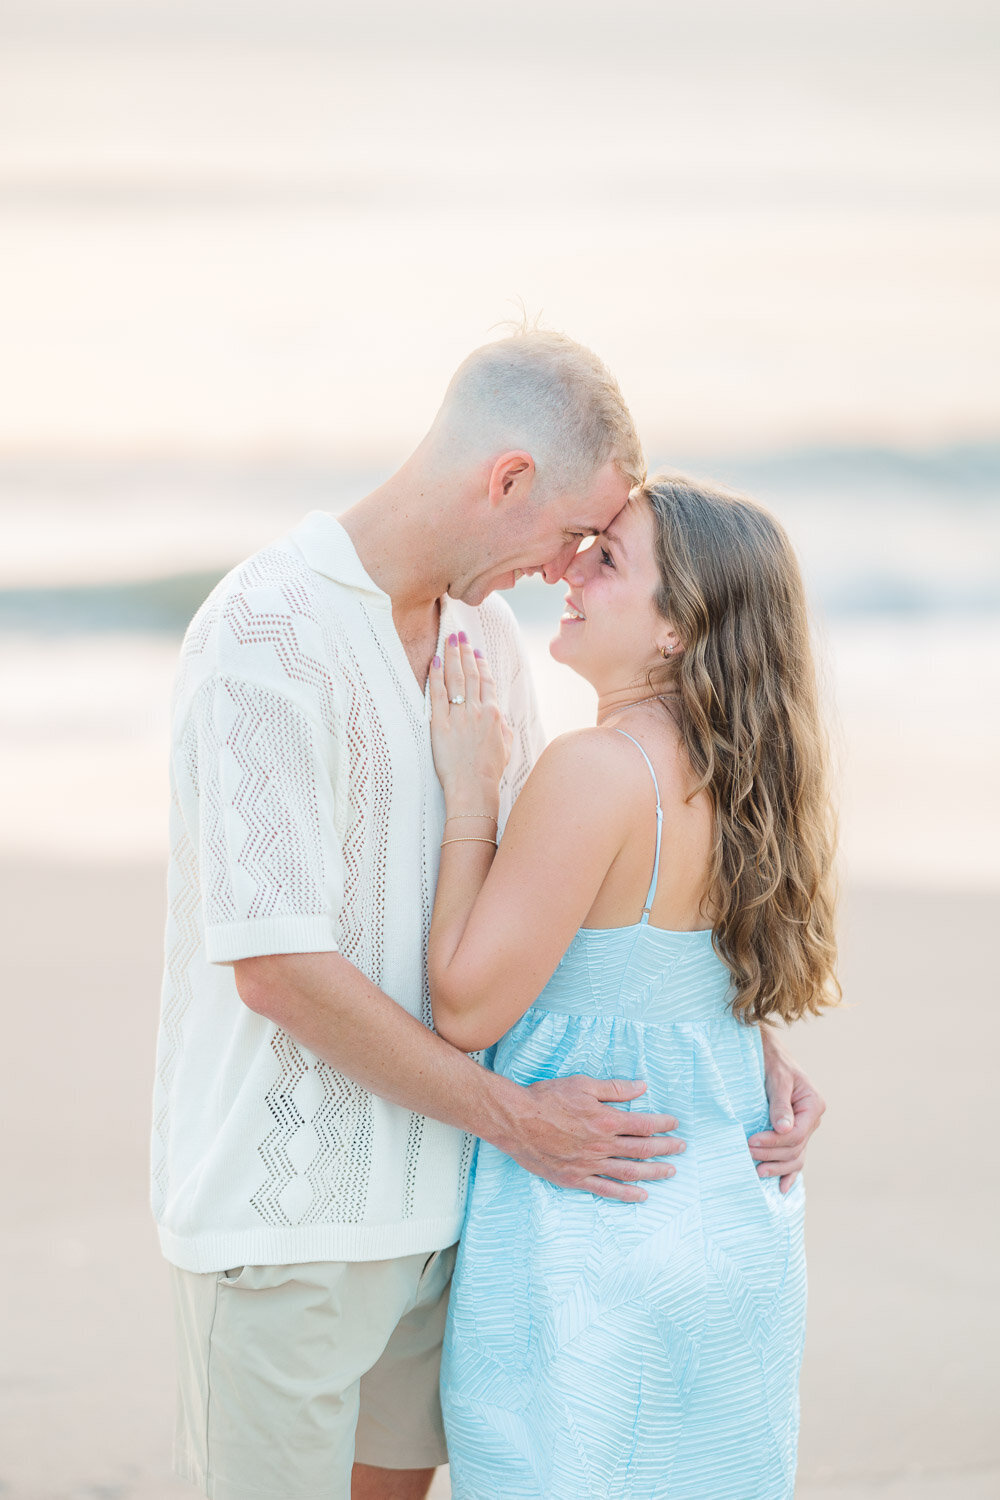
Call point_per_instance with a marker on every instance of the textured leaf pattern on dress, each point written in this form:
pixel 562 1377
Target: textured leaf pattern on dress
pixel 647 1351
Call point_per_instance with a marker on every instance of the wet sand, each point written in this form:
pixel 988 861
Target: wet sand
pixel 901 1371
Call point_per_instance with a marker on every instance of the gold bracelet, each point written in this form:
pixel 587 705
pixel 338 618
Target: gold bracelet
pixel 493 842
pixel 453 817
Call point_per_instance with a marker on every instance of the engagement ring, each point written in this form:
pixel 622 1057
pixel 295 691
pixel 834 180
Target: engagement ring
pixel 457 699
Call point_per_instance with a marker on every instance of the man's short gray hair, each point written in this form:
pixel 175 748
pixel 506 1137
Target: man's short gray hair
pixel 543 392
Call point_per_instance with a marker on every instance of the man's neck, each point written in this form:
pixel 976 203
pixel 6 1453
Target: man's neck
pixel 393 531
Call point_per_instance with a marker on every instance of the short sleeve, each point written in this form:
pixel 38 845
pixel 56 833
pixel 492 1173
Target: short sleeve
pixel 256 774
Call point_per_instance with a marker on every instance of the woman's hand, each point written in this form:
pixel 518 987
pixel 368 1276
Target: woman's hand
pixel 470 738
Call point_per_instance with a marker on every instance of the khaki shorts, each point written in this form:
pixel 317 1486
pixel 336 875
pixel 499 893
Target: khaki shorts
pixel 288 1374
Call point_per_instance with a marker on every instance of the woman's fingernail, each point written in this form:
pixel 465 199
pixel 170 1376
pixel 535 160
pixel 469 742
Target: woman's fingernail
pixel 436 662
pixel 463 637
pixel 478 654
pixel 453 640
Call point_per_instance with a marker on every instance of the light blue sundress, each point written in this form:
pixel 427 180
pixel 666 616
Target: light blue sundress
pixel 599 1350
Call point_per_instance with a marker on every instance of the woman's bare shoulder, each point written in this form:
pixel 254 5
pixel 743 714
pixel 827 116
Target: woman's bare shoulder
pixel 663 742
pixel 589 751
pixel 594 769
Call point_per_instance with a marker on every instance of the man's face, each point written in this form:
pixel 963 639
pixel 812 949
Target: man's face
pixel 542 538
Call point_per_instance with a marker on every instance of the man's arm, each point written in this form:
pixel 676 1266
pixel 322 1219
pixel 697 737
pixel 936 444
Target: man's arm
pixel 564 1129
pixel 796 1110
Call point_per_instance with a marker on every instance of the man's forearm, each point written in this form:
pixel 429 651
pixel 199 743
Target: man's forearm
pixel 329 1006
pixel 567 1130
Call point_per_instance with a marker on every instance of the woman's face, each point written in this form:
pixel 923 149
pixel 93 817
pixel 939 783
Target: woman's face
pixel 611 631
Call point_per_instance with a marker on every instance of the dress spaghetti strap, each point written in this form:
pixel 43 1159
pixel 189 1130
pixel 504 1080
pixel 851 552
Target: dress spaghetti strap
pixel 644 919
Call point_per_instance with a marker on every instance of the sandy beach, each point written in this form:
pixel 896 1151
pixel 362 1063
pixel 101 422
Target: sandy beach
pixel 901 1364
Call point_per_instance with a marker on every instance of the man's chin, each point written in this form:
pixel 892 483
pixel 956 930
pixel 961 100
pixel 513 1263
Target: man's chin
pixel 478 590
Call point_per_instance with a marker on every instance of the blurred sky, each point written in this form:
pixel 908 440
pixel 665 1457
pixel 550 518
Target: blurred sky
pixel 234 226
pixel 245 244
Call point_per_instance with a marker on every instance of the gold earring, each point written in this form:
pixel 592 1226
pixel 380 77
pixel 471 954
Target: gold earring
pixel 665 651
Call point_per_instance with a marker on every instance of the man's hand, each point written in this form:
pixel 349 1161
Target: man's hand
pixel 795 1109
pixel 565 1130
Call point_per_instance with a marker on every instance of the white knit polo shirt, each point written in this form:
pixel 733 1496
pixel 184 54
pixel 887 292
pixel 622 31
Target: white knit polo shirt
pixel 306 817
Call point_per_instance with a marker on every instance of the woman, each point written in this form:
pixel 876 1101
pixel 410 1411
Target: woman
pixel 662 890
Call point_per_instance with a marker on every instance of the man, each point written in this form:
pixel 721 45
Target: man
pixel 312 1135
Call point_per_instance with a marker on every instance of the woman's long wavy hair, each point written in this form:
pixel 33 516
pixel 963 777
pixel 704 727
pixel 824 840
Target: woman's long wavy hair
pixel 747 707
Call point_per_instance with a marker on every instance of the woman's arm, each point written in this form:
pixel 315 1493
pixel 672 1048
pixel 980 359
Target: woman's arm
pixel 503 918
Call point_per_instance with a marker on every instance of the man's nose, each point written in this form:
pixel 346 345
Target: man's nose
pixel 556 567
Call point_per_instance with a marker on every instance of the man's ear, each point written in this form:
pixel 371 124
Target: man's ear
pixel 511 477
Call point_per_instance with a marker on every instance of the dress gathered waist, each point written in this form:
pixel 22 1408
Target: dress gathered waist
pixel 642 974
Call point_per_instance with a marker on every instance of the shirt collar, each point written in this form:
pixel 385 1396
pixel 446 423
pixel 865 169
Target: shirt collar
pixel 328 549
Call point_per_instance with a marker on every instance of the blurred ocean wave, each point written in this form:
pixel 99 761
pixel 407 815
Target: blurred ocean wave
pixel 154 605
pixel 105 563
pixel 880 532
